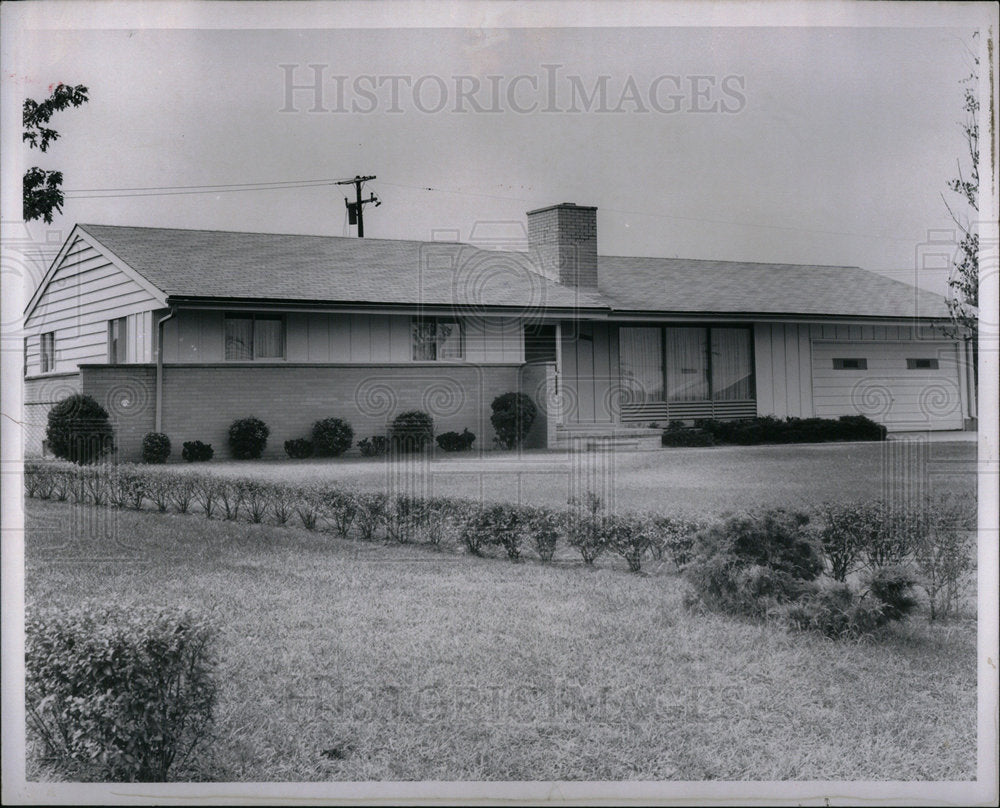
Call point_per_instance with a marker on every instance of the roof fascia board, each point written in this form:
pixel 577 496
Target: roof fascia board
pixel 828 319
pixel 543 312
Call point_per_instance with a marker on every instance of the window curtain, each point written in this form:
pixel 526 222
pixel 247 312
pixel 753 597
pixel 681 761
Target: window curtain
pixel 449 340
pixel 269 342
pixel 687 364
pixel 641 359
pixel 732 366
pixel 239 338
pixel 424 346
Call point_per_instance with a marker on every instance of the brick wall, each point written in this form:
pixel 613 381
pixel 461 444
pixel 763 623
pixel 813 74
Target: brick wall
pixel 563 242
pixel 128 393
pixel 40 393
pixel 201 401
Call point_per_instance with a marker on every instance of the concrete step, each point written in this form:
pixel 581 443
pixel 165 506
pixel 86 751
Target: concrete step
pixel 590 437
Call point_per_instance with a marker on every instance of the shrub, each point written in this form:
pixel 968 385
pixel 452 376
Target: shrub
pixel 686 437
pixel 281 500
pixel 247 438
pixel 629 536
pixel 544 527
pixel 892 587
pixel 456 442
pixel 155 447
pixel 255 496
pixel 750 563
pixel 835 611
pixel 673 536
pixel 299 448
pixel 477 529
pixel 513 415
pixel 160 489
pixel 127 694
pixel 842 537
pixel 583 527
pixel 943 553
pixel 230 494
pixel 375 446
pixel 206 492
pixel 341 507
pixel 194 451
pixel 79 430
pixel 768 429
pixel 412 431
pixel 183 492
pixel 309 505
pixel 370 515
pixel 332 437
pixel 126 486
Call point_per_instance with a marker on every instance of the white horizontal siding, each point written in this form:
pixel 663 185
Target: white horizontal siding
pixel 84 292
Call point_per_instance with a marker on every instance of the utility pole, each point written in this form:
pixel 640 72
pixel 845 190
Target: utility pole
pixel 356 210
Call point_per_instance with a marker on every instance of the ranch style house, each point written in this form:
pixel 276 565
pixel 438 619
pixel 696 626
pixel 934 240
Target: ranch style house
pixel 183 331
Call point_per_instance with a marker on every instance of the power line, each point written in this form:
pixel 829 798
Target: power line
pixel 209 191
pixel 222 185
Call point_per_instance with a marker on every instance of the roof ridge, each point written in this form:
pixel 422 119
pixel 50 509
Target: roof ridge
pixel 736 261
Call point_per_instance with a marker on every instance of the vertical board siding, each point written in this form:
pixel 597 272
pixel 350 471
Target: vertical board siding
pixel 84 292
pixel 198 336
pixel 763 368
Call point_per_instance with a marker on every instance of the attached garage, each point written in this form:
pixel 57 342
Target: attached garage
pixel 911 385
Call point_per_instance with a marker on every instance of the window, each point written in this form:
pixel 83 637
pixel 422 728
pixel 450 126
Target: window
pixel 921 364
pixel 539 343
pixel 254 336
pixel 48 351
pixel 116 341
pixel 850 364
pixel 686 363
pixel 437 339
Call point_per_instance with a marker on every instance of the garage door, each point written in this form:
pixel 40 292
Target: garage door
pixel 904 385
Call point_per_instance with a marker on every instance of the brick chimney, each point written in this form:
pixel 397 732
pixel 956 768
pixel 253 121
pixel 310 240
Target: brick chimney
pixel 562 240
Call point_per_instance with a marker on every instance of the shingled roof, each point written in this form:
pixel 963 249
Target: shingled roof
pixel 326 269
pixel 730 287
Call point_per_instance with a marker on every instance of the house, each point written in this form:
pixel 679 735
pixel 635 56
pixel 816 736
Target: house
pixel 182 331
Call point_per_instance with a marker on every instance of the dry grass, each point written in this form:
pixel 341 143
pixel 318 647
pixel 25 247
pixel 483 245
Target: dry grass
pixel 349 661
pixel 710 480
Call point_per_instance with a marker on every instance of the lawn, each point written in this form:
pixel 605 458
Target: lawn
pixel 707 480
pixel 341 660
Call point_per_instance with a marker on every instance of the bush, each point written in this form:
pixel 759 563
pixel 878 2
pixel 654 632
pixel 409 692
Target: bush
pixel 513 415
pixel 892 587
pixel 412 431
pixel 629 536
pixel 676 437
pixel 673 536
pixel 155 448
pixel 79 430
pixel 194 451
pixel 126 694
pixel 332 437
pixel 751 563
pixel 837 612
pixel 583 527
pixel 247 438
pixel 544 527
pixel 370 514
pixel 455 442
pixel 768 429
pixel 299 448
pixel 842 537
pixel 375 446
pixel 944 551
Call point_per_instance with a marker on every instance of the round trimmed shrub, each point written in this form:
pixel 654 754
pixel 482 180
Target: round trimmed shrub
pixel 299 448
pixel 79 430
pixel 155 448
pixel 195 451
pixel 513 415
pixel 247 438
pixel 412 431
pixel 332 437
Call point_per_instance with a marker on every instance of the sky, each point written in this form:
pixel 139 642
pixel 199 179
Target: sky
pixel 805 144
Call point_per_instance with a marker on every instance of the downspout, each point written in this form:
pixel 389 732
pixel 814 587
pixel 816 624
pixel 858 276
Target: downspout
pixel 159 366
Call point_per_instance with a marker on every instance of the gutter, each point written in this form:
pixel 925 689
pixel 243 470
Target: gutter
pixel 159 366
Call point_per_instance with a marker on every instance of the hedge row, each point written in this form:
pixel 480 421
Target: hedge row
pixel 768 429
pixel 839 543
